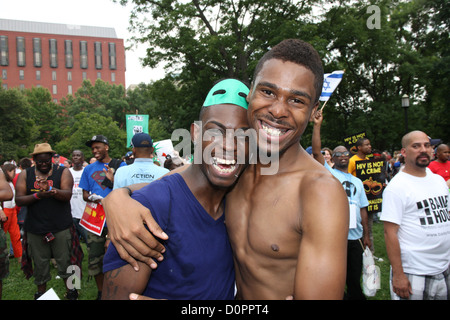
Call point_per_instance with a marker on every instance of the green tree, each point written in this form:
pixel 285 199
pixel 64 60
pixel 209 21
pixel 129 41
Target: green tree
pixel 102 98
pixel 202 41
pixel 17 130
pixel 85 126
pixel 48 116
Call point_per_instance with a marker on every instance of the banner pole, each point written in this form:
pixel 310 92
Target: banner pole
pixel 323 105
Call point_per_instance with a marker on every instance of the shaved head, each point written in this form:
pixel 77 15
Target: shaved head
pixel 410 136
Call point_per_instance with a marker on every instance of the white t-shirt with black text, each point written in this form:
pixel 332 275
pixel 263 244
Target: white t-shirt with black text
pixel 420 206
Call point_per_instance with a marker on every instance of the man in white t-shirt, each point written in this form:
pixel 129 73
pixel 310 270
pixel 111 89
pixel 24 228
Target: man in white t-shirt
pixel 417 225
pixel 76 202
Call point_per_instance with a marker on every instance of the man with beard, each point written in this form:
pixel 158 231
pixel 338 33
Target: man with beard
pixel 288 229
pixel 97 181
pixel 417 225
pixel 46 190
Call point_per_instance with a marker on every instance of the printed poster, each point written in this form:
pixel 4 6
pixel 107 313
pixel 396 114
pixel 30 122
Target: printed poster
pixel 93 218
pixel 372 176
pixel 350 141
pixel 136 123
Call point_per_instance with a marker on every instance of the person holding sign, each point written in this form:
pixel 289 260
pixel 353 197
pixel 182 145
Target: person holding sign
pixel 46 190
pixel 97 181
pixel 358 203
pixel 363 148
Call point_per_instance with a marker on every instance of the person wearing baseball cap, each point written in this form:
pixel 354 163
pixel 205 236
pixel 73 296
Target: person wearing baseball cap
pixel 97 138
pixel 143 169
pixel 97 181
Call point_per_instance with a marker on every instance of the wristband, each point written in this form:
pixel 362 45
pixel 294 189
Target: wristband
pixel 129 191
pixel 36 196
pixel 50 189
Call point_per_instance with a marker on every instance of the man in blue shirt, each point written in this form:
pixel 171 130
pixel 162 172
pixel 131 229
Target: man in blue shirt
pixel 94 181
pixel 143 169
pixel 358 203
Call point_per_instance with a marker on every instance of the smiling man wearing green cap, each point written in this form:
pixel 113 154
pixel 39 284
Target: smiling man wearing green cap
pixel 190 205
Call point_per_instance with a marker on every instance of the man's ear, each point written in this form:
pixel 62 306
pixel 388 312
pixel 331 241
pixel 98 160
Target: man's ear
pixel 247 98
pixel 195 132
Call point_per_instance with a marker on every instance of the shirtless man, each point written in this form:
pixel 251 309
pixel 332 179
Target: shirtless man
pixel 288 230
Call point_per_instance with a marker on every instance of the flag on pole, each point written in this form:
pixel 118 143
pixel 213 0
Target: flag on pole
pixel 330 83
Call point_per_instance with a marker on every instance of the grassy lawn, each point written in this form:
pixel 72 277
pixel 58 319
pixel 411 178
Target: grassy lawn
pixel 16 287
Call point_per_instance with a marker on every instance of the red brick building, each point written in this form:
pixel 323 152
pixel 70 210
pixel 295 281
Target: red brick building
pixel 58 56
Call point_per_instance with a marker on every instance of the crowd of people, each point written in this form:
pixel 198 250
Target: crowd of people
pixel 223 230
pixel 49 198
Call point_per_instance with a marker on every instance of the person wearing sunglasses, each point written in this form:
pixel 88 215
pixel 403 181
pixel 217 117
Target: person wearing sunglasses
pixel 358 203
pixel 46 190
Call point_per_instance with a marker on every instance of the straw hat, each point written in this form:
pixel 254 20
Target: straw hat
pixel 42 148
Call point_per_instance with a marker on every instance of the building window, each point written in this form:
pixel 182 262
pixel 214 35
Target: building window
pixel 99 75
pixel 69 53
pixel 112 56
pixel 5 86
pixel 4 54
pixel 37 52
pixel 54 75
pixel 53 48
pixel 83 55
pixel 38 74
pixel 113 77
pixel 98 54
pixel 4 74
pixel 84 75
pixel 69 76
pixel 20 45
pixel 55 89
pixel 21 74
pixel 21 86
pixel 69 89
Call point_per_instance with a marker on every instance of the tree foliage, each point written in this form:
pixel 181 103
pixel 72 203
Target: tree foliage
pixel 205 40
pixel 202 41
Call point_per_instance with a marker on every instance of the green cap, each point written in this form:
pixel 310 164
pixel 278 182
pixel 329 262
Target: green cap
pixel 228 91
